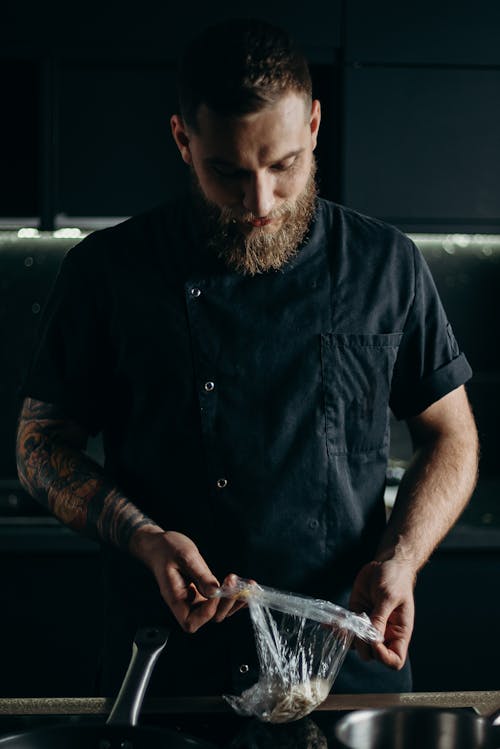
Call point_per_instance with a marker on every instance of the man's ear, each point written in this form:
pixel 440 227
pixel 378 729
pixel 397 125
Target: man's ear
pixel 180 135
pixel 315 120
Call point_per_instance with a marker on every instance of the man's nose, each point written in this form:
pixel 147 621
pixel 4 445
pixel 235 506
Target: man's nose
pixel 258 196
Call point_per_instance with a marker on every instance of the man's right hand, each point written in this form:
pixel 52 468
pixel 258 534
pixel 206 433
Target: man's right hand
pixel 54 469
pixel 184 579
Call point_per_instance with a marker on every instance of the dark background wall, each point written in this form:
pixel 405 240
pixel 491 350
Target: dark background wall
pixel 409 90
pixel 411 106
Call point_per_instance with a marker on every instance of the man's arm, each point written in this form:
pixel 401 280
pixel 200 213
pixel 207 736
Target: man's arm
pixel 54 469
pixel 434 491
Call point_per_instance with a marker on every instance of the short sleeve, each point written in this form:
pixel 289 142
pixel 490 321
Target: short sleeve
pixel 429 363
pixel 68 364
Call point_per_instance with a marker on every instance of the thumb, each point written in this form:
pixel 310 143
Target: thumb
pixel 208 585
pixel 198 571
pixel 379 616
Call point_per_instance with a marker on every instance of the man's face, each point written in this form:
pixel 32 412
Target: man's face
pixel 256 175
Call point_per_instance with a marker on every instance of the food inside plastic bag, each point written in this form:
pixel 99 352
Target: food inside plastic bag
pixel 301 644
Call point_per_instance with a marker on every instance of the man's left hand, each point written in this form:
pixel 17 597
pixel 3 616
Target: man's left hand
pixel 384 590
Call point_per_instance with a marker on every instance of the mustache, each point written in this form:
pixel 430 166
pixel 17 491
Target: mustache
pixel 231 215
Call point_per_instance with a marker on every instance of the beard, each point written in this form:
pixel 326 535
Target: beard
pixel 257 251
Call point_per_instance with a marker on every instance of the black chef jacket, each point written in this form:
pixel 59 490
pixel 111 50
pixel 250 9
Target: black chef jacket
pixel 250 413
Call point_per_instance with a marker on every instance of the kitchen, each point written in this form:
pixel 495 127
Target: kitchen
pixel 410 100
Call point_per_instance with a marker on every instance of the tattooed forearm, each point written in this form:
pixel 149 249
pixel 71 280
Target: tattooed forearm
pixel 54 470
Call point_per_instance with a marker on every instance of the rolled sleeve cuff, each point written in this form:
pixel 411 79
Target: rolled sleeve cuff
pixel 433 387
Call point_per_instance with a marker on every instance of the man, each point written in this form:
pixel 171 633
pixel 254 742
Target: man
pixel 238 348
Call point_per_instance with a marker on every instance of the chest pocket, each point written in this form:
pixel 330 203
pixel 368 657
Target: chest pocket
pixel 357 372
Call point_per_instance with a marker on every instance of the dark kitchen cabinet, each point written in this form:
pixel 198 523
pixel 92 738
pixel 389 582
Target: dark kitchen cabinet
pixel 455 643
pixel 85 127
pixel 51 622
pixel 422 147
pixel 153 28
pixel 428 32
pixel 116 154
pixel 19 138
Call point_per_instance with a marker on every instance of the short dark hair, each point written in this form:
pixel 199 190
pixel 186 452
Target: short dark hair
pixel 240 66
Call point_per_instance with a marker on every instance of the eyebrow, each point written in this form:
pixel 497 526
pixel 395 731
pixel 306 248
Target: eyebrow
pixel 224 162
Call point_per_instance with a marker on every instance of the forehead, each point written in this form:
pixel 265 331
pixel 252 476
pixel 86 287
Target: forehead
pixel 278 128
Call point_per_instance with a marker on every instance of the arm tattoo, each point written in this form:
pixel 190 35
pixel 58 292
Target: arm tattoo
pixel 54 470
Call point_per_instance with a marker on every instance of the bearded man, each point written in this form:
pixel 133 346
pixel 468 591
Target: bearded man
pixel 239 348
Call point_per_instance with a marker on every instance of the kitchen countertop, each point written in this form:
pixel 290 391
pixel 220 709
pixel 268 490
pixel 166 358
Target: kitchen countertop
pixel 211 719
pixel 484 703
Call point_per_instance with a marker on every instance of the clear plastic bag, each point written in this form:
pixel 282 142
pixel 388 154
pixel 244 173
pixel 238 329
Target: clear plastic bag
pixel 301 644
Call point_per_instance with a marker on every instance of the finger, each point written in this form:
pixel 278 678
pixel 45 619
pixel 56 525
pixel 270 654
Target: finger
pixel 379 619
pixel 395 625
pixel 193 567
pixel 188 606
pixel 194 595
pixel 394 649
pixel 199 615
pixel 177 594
pixel 367 651
pixel 225 605
pixel 391 655
pixel 229 608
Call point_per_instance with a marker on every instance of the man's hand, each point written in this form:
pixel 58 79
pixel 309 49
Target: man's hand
pixel 433 492
pixel 384 590
pixel 185 581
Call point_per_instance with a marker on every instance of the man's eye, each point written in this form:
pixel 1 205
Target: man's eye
pixel 283 166
pixel 225 173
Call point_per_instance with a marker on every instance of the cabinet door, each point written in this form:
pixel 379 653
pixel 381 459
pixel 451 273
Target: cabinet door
pixel 152 28
pixel 422 146
pixel 51 624
pixel 116 153
pixel 430 31
pixel 456 613
pixel 19 139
